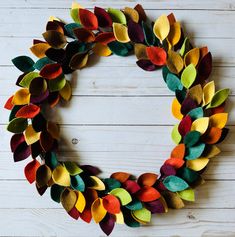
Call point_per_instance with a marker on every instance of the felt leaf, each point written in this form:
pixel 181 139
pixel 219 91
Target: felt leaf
pixel 175 109
pixel 208 92
pixel 196 113
pixel 105 37
pixel 119 218
pixel 30 135
pixel 117 16
pixel 197 164
pixel 131 14
pixel 143 215
pixel 23 63
pixel 104 19
pixel 120 32
pixel 211 151
pixel 135 32
pixel 213 135
pixel 22 152
pixel 205 66
pixel 157 206
pixel 175 135
pixel 185 125
pixel 122 195
pixel 42 62
pixel 218 120
pixel 174 162
pixel 88 19
pixel 28 111
pixel 84 35
pixel 178 151
pixel 30 170
pixel 51 71
pixel 188 75
pixel 56 55
pixel 53 129
pixel 55 39
pixel 111 204
pixel 46 141
pixel 120 176
pixel 21 97
pixel 77 183
pixel 72 168
pixel 161 27
pixel 68 199
pixel 66 91
pixel 107 224
pixel 43 175
pixel 40 49
pixel 57 84
pixel 219 98
pixel 187 105
pixel 55 25
pixel 37 87
pixel 74 13
pixel 140 51
pixel 8 105
pixel 16 140
pixel 174 62
pixel 174 34
pixel 173 200
pixel 111 183
pixel 70 28
pixel 17 125
pixel 78 61
pixel 131 186
pixel 81 202
pixel 148 34
pixel 192 138
pixel 146 65
pixel 187 195
pixel 61 176
pixel 97 210
pixel 190 176
pixel 196 93
pixel 174 183
pixel 147 179
pixel 192 57
pixel 141 12
pixel 101 50
pixel 148 194
pixel 118 48
pixel 186 46
pixel 55 192
pixel 134 205
pixel 156 55
pixel 97 183
pixel 27 79
pixel 200 125
pixel 51 160
pixel 173 82
pixel 195 151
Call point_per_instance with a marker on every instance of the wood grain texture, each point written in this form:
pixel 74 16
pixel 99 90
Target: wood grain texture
pixel 115 121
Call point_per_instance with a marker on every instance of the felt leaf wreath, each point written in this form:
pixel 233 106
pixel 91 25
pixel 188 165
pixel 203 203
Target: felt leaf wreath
pixel 198 105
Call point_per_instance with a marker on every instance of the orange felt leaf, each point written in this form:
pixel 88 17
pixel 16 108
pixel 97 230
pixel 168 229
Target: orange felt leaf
pixel 175 162
pixel 212 135
pixel 84 35
pixel 111 204
pixel 51 71
pixel 28 111
pixel 88 19
pixel 178 151
pixel 147 179
pixel 105 37
pixel 30 170
pixel 8 105
pixel 156 55
pixel 120 176
pixel 148 194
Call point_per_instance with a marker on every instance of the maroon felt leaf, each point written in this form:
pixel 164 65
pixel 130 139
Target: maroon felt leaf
pixel 187 105
pixel 185 125
pixel 155 206
pixel 135 32
pixel 16 140
pixel 22 152
pixel 91 170
pixel 36 149
pixel 146 65
pixel 142 14
pixel 167 170
pixel 104 19
pixel 46 141
pixel 84 35
pixel 205 66
pixel 107 224
pixel 40 98
pixel 74 213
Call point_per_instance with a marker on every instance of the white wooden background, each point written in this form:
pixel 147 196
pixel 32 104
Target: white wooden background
pixel 120 116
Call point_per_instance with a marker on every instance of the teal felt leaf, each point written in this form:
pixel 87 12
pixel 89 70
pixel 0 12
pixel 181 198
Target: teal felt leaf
pixel 188 75
pixel 219 98
pixel 51 160
pixel 165 71
pixel 119 49
pixel 191 138
pixel 111 183
pixel 134 205
pixel 70 27
pixel 173 82
pixel 174 183
pixel 25 82
pixel 17 125
pixel 196 113
pixel 42 62
pixel 23 63
pixel 195 151
pixel 77 183
pixel 190 176
pixel 56 191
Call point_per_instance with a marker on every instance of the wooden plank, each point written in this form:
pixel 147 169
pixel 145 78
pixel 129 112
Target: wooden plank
pixel 20 194
pixel 147 4
pixel 55 222
pixel 200 24
pixel 118 81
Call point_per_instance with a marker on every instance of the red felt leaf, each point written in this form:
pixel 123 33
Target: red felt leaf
pixel 88 19
pixel 104 19
pixel 86 215
pixel 111 204
pixel 156 55
pixel 74 213
pixel 185 125
pixel 84 35
pixel 30 170
pixel 8 104
pixel 28 111
pixel 131 186
pixel 175 162
pixel 105 38
pixel 51 71
pixel 148 194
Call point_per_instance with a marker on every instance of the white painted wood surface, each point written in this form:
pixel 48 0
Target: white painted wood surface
pixel 116 115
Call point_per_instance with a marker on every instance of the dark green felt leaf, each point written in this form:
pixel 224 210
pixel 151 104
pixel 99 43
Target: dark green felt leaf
pixel 165 71
pixel 192 138
pixel 42 62
pixel 148 34
pixel 111 183
pixel 174 183
pixel 134 205
pixel 190 176
pixel 24 63
pixel 51 160
pixel 56 191
pixel 119 49
pixel 17 125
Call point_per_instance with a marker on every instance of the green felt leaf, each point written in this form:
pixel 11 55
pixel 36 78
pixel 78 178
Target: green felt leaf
pixel 24 63
pixel 77 183
pixel 173 82
pixel 51 160
pixel 174 183
pixel 118 48
pixel 17 125
pixel 14 111
pixel 185 47
pixel 42 62
pixel 55 192
pixel 72 168
pixel 165 71
pixel 74 13
pixel 129 220
pixel 25 82
pixel 191 138
pixel 111 183
pixel 122 195
pixel 148 34
pixel 195 151
pixel 188 75
pixel 142 214
pixel 117 16
pixel 219 98
pixel 190 176
pixel 196 113
pixel 70 27
pixel 175 135
pixel 134 205
pixel 187 194
pixel 57 84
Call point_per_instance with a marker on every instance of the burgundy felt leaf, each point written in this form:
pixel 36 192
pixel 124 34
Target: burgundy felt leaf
pixel 185 125
pixel 37 86
pixel 28 111
pixel 155 206
pixel 74 213
pixel 107 224
pixel 167 170
pixel 88 19
pixel 40 98
pixel 156 55
pixel 16 140
pixel 86 215
pixel 53 99
pixel 104 19
pixel 105 37
pixel 205 66
pixel 142 14
pixel 22 152
pixel 187 105
pixel 90 169
pixel 135 32
pixel 131 186
pixel 146 65
pixel 36 149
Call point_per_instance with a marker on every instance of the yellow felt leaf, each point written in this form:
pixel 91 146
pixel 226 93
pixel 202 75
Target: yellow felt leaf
pixel 200 125
pixel 97 183
pixel 119 218
pixel 31 136
pixel 140 51
pixel 174 62
pixel 174 34
pixel 21 97
pixel 197 164
pixel 131 14
pixel 195 93
pixel 76 5
pixel 53 18
pixel 101 50
pixel 175 108
pixel 81 202
pixel 218 120
pixel 120 32
pixel 212 151
pixel 97 210
pixel 68 199
pixel 192 56
pixel 161 27
pixel 40 49
pixel 208 92
pixel 61 176
pixel 66 91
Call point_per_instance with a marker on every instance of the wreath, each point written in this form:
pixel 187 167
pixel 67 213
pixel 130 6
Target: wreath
pixel 121 198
